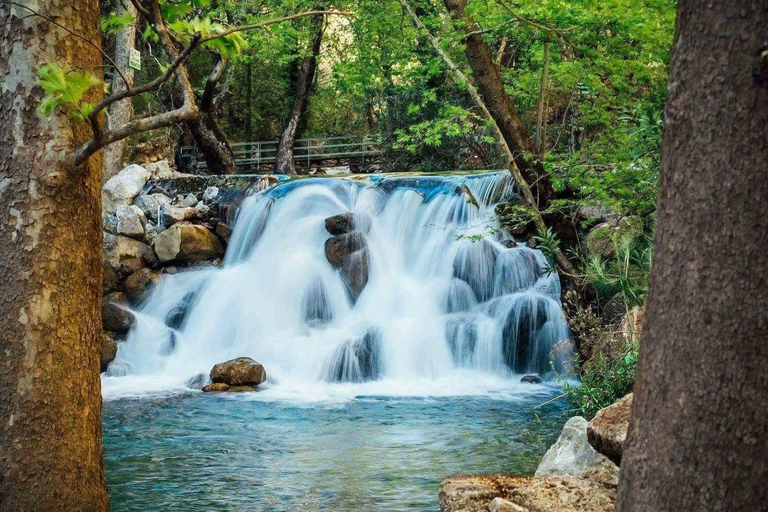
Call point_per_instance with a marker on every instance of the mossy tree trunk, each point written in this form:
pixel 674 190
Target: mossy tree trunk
pixel 50 273
pixel 698 439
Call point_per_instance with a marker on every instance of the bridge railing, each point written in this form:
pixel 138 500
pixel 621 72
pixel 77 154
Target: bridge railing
pixel 360 149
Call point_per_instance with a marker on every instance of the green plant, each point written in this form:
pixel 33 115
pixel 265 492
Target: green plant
pixel 603 381
pixel 627 274
pixel 65 88
pixel 549 245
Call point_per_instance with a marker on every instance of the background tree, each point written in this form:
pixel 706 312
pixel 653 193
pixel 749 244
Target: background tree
pixel 50 256
pixel 698 439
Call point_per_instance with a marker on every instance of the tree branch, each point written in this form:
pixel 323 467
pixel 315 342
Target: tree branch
pixel 274 21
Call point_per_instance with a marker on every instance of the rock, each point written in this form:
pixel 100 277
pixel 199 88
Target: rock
pixel 599 241
pixel 216 387
pixel 138 284
pixel 199 381
pixel 572 455
pixel 160 170
pixel 502 505
pixel 599 213
pixel 242 371
pixel 110 280
pixel 118 249
pixel 115 316
pixel 607 431
pixel 170 215
pixel 130 221
pixel 202 210
pixel 348 222
pixel 632 324
pixel 520 494
pixel 190 200
pixel 123 187
pixel 149 205
pixel 337 248
pixel 223 231
pixel 357 360
pixel 355 272
pixel 131 265
pixel 110 223
pixel 108 351
pixel 531 379
pixel 187 242
pixel 509 244
pixel 241 389
pixel 210 193
pixel 151 230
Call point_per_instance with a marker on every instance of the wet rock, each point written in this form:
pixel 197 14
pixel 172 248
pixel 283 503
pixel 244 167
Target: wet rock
pixel 115 316
pixel 509 244
pixel 461 334
pixel 123 187
pixel 170 215
pixel 519 335
pixel 216 387
pixel 176 316
pixel 242 371
pixel 357 360
pixel 531 379
pixel 130 221
pixel 355 272
pixel 315 305
pixel 138 284
pixel 187 242
pixel 348 222
pixel 223 231
pixel 150 205
pixel 474 264
pixel 337 248
pixel 108 351
pixel 241 389
pixel 607 431
pixel 118 249
pixel 572 455
pixel 199 381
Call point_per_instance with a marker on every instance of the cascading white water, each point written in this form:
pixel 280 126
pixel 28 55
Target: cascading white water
pixel 448 306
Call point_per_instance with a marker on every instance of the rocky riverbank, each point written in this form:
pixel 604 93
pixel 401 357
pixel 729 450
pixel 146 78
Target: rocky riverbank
pixel 577 474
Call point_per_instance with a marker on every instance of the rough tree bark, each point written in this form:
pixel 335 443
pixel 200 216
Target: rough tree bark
pixel 210 141
pixel 122 111
pixel 50 274
pixel 491 87
pixel 284 158
pixel 698 439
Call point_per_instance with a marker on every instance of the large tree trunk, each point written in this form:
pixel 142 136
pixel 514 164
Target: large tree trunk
pixel 491 87
pixel 284 159
pixel 122 111
pixel 699 436
pixel 210 141
pixel 50 273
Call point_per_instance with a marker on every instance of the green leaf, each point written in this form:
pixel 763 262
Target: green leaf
pixel 65 89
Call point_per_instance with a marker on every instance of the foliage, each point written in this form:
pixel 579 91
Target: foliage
pixel 627 274
pixel 65 89
pixel 550 246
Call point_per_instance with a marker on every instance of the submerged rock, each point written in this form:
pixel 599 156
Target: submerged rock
pixel 349 253
pixel 339 247
pixel 242 371
pixel 216 387
pixel 572 455
pixel 357 360
pixel 348 222
pixel 187 242
pixel 474 264
pixel 519 334
pixel 531 379
pixel 607 431
pixel 199 381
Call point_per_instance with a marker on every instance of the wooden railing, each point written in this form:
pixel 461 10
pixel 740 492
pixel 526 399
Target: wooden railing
pixel 357 150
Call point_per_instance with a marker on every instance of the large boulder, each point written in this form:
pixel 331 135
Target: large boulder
pixel 160 170
pixel 348 222
pixel 150 204
pixel 118 249
pixel 123 187
pixel 108 351
pixel 349 253
pixel 115 315
pixel 339 247
pixel 242 371
pixel 572 455
pixel 187 242
pixel 607 431
pixel 130 221
pixel 137 285
pixel 600 241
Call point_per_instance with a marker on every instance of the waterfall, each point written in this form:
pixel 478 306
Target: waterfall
pixel 447 297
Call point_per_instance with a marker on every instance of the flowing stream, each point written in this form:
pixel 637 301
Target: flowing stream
pixel 411 376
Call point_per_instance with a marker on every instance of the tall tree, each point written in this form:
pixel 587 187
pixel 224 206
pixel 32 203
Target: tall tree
pixel 121 112
pixel 50 261
pixel 698 439
pixel 284 158
pixel 500 105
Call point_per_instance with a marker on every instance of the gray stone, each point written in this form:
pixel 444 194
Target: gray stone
pixel 110 223
pixel 572 455
pixel 600 241
pixel 348 222
pixel 190 200
pixel 187 242
pixel 160 170
pixel 600 213
pixel 210 193
pixel 130 221
pixel 242 371
pixel 607 431
pixel 149 205
pixel 202 209
pixel 117 249
pixel 531 379
pixel 170 215
pixel 123 187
